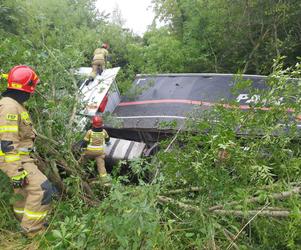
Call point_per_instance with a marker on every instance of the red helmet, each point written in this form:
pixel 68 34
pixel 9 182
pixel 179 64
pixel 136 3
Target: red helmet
pixel 97 121
pixel 22 78
pixel 105 45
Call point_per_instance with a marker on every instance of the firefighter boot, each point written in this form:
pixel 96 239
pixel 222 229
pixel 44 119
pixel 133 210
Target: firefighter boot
pixel 91 79
pixel 99 71
pixel 33 234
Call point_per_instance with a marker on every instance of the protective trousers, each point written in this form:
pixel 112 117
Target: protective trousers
pixel 33 200
pixel 99 157
pixel 97 67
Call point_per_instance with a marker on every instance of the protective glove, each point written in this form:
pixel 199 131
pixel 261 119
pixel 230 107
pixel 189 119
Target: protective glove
pixel 20 181
pixel 83 144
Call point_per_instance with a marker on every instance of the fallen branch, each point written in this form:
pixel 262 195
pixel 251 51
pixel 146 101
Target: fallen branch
pixel 275 196
pixel 164 199
pixel 275 208
pixel 236 213
pixel 239 213
pixel 52 175
pixel 177 191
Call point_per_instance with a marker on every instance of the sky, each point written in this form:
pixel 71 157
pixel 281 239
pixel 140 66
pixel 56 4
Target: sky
pixel 137 13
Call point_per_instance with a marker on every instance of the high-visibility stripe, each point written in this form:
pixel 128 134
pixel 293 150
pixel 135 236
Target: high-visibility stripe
pixel 15 85
pixel 35 215
pixel 21 152
pixel 5 129
pixel 24 151
pixel 91 146
pixel 12 158
pixel 19 210
pixel 95 148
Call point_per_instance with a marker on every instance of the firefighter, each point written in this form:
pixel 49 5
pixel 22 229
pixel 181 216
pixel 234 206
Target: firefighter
pixel 99 61
pixel 94 142
pixel 17 142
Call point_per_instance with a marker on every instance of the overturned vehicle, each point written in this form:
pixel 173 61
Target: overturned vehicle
pixel 158 105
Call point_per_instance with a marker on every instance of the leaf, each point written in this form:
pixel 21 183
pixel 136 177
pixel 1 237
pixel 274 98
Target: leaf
pixel 57 234
pixel 189 235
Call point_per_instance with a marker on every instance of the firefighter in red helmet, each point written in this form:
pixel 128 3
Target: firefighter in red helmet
pixel 17 142
pixel 94 142
pixel 99 60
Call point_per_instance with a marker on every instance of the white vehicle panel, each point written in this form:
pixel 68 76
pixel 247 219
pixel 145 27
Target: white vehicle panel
pixel 94 92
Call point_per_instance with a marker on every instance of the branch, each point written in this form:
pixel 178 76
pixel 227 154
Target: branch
pixel 76 98
pixel 177 191
pixel 164 199
pixel 44 137
pixel 74 109
pixel 239 213
pixel 275 209
pixel 275 196
pixel 260 40
pixel 173 139
pixel 236 213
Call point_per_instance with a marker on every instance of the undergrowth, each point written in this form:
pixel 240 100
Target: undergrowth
pixel 231 179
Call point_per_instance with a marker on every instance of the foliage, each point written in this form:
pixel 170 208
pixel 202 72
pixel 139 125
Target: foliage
pixel 247 165
pixel 223 36
pixel 116 223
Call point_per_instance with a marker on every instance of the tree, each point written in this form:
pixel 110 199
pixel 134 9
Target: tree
pixel 225 36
